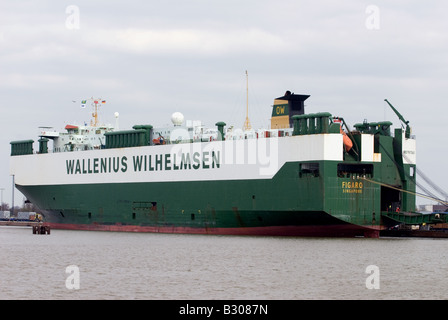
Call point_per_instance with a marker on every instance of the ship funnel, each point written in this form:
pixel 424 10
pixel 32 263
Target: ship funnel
pixel 285 108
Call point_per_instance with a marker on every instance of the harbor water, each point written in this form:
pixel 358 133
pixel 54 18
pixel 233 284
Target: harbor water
pixel 109 265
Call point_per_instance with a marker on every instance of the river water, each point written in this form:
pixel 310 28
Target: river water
pixel 109 265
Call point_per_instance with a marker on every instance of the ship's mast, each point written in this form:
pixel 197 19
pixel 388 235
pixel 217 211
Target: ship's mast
pixel 96 104
pixel 247 125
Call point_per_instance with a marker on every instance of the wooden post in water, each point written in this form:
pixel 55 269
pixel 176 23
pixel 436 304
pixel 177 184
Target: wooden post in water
pixel 41 229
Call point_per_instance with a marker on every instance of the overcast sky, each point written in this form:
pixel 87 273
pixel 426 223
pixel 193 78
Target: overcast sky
pixel 148 59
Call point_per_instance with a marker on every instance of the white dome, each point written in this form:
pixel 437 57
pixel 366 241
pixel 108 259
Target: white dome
pixel 177 118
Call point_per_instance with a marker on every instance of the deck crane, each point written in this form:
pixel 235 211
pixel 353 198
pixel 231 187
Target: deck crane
pixel 408 128
pixel 419 172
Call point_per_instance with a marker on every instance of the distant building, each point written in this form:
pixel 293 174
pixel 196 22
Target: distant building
pixel 433 208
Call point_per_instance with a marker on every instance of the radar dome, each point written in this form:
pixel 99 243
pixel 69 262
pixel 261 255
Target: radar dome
pixel 177 118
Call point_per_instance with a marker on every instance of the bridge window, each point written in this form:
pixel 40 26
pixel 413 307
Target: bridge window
pixel 354 170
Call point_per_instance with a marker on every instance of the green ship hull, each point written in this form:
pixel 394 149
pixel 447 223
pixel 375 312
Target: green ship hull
pixel 322 205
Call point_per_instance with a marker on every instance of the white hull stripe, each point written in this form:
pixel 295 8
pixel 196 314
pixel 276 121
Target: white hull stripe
pixel 218 160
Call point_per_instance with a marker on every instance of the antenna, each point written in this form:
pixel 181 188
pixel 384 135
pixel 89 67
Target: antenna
pixel 116 114
pixel 247 125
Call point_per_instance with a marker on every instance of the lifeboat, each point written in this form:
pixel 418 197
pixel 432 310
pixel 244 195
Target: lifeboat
pixel 348 143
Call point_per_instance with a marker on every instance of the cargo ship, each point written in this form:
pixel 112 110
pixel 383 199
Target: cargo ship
pixel 309 174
